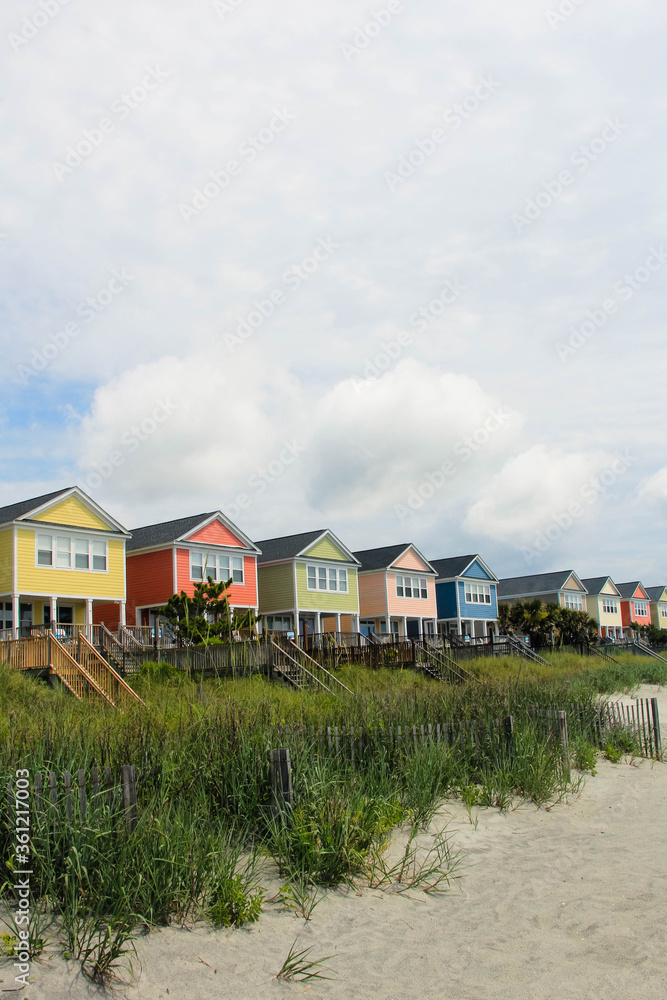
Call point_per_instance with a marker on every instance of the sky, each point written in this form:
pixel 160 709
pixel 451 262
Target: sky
pixel 396 269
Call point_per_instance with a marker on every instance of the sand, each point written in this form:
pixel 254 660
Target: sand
pixel 567 903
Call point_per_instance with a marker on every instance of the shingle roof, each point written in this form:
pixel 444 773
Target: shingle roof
pixel 654 593
pixel 14 510
pixel 381 558
pixel 628 589
pixel 166 531
pixel 454 566
pixel 538 583
pixel 287 546
pixel 594 584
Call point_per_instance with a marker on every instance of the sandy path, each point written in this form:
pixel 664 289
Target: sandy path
pixel 568 904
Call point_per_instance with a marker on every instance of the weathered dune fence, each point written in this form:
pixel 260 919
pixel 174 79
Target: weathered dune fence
pixel 355 743
pixel 609 721
pixel 226 659
pixel 52 802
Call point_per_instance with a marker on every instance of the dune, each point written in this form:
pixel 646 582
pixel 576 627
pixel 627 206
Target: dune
pixel 559 903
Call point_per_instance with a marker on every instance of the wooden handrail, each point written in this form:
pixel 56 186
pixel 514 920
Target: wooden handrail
pixel 317 668
pixel 104 673
pixel 73 675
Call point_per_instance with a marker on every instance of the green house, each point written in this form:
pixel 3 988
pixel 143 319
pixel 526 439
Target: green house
pixel 308 584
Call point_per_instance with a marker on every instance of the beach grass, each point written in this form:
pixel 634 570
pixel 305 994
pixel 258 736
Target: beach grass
pixel 205 832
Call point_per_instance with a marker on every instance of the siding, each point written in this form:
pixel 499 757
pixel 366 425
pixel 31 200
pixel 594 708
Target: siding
pixel 409 560
pixel 149 581
pixel 372 597
pixel 410 606
pixel 276 589
pixel 446 600
pixel 109 613
pixel 325 600
pixel 72 511
pixel 476 572
pixel 325 549
pixel 216 534
pixel 240 595
pixel 34 579
pixel 484 611
pixel 6 561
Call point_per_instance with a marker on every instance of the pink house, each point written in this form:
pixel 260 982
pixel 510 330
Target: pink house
pixel 397 592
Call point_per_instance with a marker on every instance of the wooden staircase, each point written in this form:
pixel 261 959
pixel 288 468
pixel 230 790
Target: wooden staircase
pixel 440 665
pixel 83 671
pixel 528 654
pixel 300 670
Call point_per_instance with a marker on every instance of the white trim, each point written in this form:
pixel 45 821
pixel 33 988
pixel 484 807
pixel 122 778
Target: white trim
pixel 174 568
pixel 85 500
pixel 15 568
pixel 303 553
pixel 429 569
pixel 71 536
pixel 219 516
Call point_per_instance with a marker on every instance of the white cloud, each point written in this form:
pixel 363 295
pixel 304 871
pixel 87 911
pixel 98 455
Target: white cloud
pixel 532 489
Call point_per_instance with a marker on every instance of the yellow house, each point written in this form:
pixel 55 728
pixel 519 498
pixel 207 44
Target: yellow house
pixel 60 554
pixel 604 604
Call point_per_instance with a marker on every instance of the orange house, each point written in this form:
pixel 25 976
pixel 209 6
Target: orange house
pixel 635 604
pixel 397 592
pixel 164 559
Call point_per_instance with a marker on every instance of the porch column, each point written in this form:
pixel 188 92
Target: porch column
pixel 337 617
pixel 121 617
pixel 318 622
pixel 88 612
pixel 404 625
pixel 15 615
pixel 52 609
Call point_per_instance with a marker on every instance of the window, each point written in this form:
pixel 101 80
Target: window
pixel 6 614
pixel 574 602
pixel 219 567
pixel 67 552
pixel 326 578
pixel 663 610
pixel 609 607
pixel 641 609
pixel 411 586
pixel 477 593
pixel 44 553
pixel 81 554
pixel 279 623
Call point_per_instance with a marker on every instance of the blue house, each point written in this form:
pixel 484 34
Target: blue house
pixel 466 595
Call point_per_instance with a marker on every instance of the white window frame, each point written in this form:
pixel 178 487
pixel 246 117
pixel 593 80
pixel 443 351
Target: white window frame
pixel 663 610
pixel 641 608
pixel 404 582
pixel 609 606
pixel 480 593
pixel 216 561
pixel 65 548
pixel 328 579
pixel 573 602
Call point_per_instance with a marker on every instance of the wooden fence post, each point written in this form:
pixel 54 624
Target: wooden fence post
pixel 508 733
pixel 655 720
pixel 129 786
pixel 562 729
pixel 280 768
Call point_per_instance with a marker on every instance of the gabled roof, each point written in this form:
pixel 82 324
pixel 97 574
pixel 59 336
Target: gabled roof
pixel 23 510
pixel 538 583
pixel 457 565
pixel 385 557
pixel 594 584
pixel 168 532
pixel 628 589
pixel 291 546
pixel 15 510
pixel 655 593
